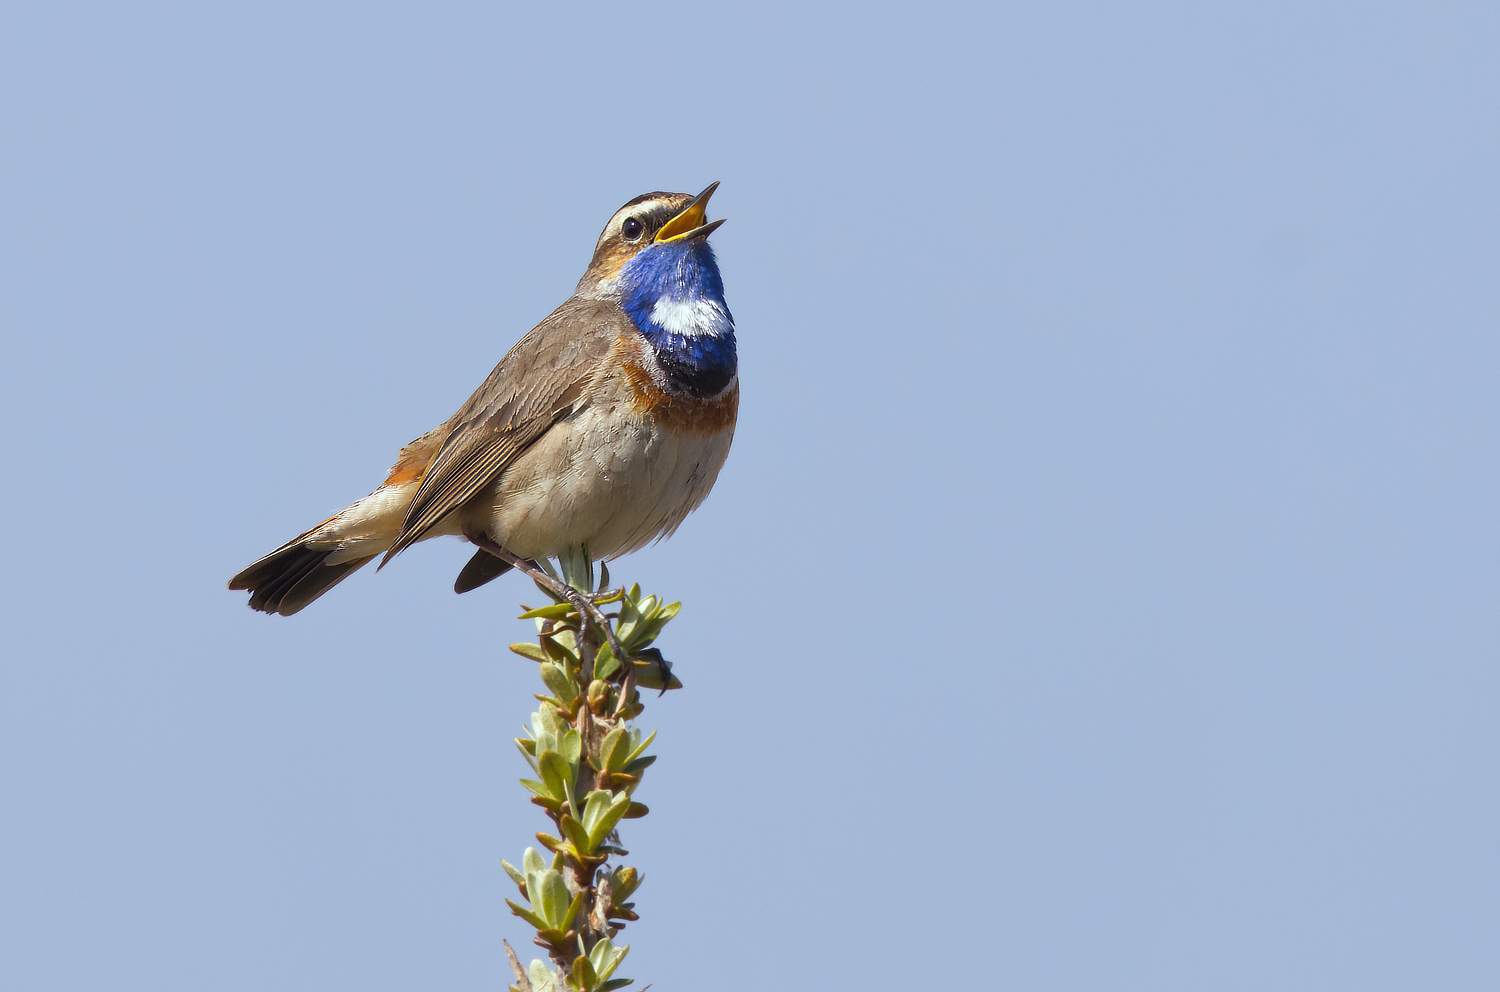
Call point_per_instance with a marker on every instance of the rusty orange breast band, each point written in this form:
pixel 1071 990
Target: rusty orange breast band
pixel 680 414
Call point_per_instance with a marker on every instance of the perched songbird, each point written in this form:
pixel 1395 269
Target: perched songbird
pixel 599 431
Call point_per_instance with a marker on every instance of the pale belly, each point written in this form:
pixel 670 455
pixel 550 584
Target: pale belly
pixel 609 480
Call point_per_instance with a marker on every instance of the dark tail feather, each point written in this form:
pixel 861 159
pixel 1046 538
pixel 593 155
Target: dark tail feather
pixel 481 568
pixel 292 576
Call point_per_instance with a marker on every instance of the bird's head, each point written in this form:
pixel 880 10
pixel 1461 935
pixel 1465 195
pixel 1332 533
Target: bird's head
pixel 654 237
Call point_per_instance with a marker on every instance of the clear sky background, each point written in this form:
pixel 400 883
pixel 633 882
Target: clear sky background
pixel 1101 593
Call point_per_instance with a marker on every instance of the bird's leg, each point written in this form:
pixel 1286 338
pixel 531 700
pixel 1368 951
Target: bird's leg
pixel 579 600
pixel 577 568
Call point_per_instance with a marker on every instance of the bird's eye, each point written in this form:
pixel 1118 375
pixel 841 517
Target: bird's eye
pixel 632 229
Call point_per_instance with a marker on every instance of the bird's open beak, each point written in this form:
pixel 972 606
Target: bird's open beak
pixel 689 223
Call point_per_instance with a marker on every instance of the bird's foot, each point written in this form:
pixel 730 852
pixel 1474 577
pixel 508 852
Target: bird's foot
pixel 578 577
pixel 586 603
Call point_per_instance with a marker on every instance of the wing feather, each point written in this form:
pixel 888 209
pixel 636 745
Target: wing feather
pixel 538 383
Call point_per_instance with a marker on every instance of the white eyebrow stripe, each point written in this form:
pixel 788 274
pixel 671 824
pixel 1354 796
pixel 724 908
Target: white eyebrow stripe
pixel 690 317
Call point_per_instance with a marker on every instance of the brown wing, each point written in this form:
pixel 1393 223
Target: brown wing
pixel 538 383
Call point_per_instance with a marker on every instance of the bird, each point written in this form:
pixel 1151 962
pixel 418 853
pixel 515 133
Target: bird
pixel 597 433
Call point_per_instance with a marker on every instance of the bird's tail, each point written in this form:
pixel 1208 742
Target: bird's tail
pixel 309 565
pixel 303 569
pixel 294 575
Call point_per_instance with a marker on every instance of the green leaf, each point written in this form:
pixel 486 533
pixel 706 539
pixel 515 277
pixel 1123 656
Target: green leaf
pixel 577 834
pixel 573 908
pixel 614 750
pixel 555 901
pixel 624 882
pixel 544 742
pixel 600 956
pixel 557 682
pixel 572 746
pixel 554 612
pixel 609 986
pixel 529 650
pixel 583 974
pixel 558 774
pixel 605 662
pixel 532 861
pixel 554 938
pixel 543 979
pixel 546 721
pixel 636 811
pixel 639 765
pixel 648 675
pixel 594 805
pixel 605 958
pixel 607 818
pixel 515 875
pixel 650 625
pixel 536 922
pixel 560 647
pixel 640 746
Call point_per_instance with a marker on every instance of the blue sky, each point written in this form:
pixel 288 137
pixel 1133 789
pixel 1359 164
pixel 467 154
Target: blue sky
pixel 1100 594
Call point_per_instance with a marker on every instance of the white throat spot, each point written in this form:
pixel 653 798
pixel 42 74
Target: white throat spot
pixel 690 317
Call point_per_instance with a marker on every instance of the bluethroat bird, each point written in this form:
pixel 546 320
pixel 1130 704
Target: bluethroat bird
pixel 598 432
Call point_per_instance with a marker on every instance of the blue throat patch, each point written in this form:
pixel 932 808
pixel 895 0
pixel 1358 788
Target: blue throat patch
pixel 698 358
